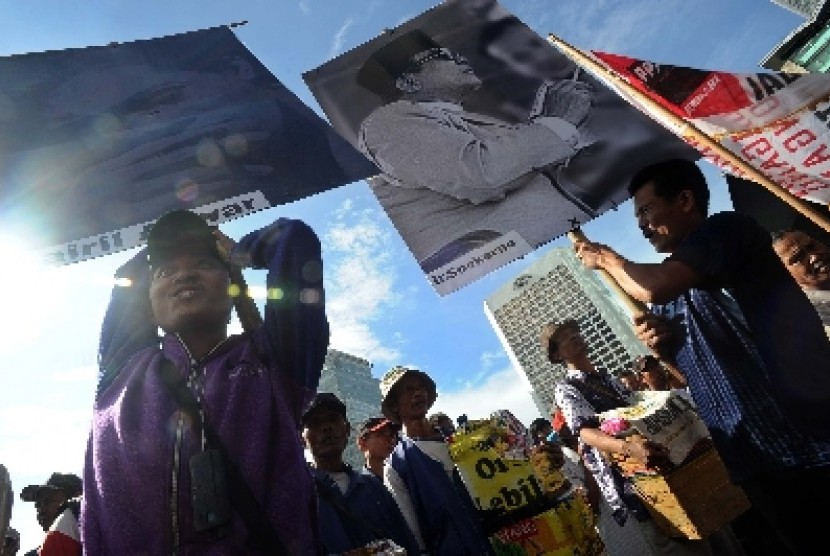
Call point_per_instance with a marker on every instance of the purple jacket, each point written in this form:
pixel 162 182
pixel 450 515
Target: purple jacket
pixel 136 489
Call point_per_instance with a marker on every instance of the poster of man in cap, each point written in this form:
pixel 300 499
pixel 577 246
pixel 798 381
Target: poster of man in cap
pixel 489 141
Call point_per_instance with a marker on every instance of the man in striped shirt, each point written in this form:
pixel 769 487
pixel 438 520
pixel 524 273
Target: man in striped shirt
pixel 752 348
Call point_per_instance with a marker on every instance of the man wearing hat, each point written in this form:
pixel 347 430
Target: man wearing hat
pixel 58 505
pixel 421 475
pixel 355 509
pixel 194 446
pixel 587 391
pixel 376 439
pixel 448 172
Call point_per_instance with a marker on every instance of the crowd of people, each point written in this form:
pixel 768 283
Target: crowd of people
pixel 199 438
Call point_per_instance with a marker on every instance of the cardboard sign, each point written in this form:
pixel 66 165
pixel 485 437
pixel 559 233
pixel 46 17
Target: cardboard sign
pixel 667 418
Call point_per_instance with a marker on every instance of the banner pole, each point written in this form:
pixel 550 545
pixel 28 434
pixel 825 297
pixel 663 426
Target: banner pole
pixel 635 306
pixel 688 130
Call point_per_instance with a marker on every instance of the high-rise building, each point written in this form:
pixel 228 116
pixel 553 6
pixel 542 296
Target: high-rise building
pixel 807 48
pixel 350 379
pixel 805 8
pixel 556 288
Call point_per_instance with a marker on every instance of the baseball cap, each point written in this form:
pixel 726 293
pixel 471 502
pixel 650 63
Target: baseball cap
pixel 380 70
pixel 69 483
pixel 374 424
pixel 177 231
pixel 324 400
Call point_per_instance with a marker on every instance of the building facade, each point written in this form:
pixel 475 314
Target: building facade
pixel 804 8
pixel 807 48
pixel 350 379
pixel 556 288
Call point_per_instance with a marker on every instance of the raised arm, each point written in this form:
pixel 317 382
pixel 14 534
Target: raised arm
pixel 128 323
pixel 295 332
pixel 245 306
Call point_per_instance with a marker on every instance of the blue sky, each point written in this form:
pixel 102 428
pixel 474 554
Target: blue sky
pixel 379 304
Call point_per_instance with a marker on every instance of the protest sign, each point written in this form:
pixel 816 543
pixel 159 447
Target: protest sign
pixel 98 142
pixel 490 142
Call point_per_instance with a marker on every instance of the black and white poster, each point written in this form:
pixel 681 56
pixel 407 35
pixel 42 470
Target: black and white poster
pixel 490 142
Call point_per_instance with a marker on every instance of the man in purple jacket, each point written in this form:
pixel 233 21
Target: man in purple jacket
pixel 147 458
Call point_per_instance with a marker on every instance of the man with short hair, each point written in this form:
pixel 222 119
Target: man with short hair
pixel 421 474
pixel 652 374
pixel 58 505
pixel 194 447
pixel 808 260
pixel 744 334
pixel 443 423
pixel 376 439
pixel 631 380
pixel 355 509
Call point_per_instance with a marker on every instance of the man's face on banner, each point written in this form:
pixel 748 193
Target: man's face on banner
pixel 445 70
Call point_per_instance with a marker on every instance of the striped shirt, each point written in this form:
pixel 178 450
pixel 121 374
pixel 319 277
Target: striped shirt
pixel 753 351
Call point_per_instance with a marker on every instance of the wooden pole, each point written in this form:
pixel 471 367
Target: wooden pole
pixel 636 307
pixel 687 129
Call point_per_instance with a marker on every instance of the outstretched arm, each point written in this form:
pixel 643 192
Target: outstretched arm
pixel 648 282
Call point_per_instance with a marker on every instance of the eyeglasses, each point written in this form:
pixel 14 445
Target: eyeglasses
pixel 422 58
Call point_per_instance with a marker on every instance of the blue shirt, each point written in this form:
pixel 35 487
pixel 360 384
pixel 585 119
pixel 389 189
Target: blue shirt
pixel 755 355
pixel 446 514
pixel 366 512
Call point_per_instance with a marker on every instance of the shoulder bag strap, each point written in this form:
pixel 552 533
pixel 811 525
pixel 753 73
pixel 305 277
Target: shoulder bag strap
pixel 240 493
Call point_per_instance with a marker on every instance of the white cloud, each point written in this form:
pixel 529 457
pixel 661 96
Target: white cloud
pixel 305 6
pixel 86 374
pixel 504 389
pixel 337 41
pixel 359 283
pixel 37 439
pixel 490 358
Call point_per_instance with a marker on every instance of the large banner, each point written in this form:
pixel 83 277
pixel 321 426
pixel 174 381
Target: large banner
pixel 776 122
pixel 96 143
pixel 490 142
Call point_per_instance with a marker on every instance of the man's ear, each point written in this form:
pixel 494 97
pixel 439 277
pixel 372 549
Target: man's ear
pixel 687 201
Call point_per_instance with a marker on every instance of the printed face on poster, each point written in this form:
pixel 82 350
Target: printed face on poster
pixel 490 142
pixel 98 142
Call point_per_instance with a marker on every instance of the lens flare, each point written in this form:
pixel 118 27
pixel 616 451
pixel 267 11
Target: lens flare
pixel 187 190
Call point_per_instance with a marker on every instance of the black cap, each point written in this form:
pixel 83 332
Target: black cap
pixel 69 483
pixel 324 400
pixel 538 424
pixel 374 424
pixel 386 64
pixel 177 231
